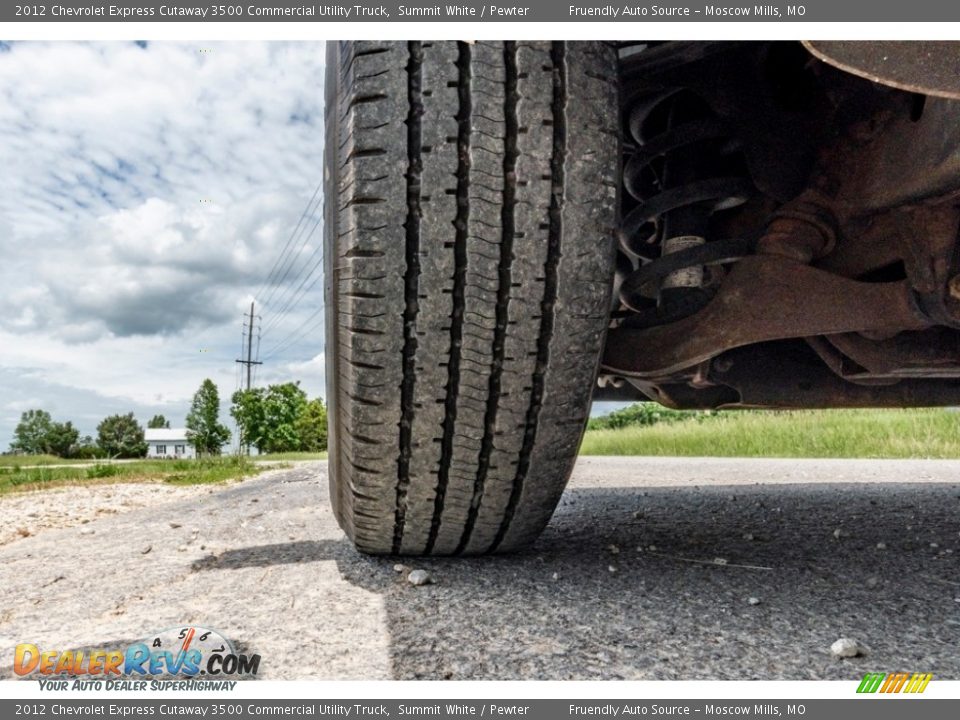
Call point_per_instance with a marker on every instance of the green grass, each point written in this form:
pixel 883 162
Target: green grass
pixel 178 472
pixel 21 460
pixel 290 456
pixel 809 433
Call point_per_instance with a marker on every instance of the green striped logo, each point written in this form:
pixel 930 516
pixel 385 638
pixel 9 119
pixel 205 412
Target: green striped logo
pixel 894 682
pixel 871 682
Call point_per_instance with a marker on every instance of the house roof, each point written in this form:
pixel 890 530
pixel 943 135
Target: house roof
pixel 166 435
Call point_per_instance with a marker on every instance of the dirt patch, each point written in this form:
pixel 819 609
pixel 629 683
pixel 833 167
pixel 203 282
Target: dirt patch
pixel 23 515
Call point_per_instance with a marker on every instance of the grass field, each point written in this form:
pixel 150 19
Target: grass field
pixel 17 460
pixel 290 456
pixel 180 472
pixel 810 433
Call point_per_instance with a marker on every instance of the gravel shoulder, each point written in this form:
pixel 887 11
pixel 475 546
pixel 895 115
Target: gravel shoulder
pixel 649 570
pixel 26 514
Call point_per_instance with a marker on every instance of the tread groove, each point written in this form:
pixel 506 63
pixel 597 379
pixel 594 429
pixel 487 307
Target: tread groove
pixel 411 285
pixel 555 235
pixel 461 226
pixel 504 280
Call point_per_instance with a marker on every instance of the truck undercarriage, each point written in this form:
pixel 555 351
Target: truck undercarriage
pixel 789 232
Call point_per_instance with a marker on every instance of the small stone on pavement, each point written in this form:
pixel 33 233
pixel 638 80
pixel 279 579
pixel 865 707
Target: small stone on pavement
pixel 419 577
pixel 846 648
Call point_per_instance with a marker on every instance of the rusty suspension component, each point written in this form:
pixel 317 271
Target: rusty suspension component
pixel 850 293
pixel 773 295
pixel 678 174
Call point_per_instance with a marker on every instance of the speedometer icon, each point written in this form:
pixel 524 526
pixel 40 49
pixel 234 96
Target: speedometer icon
pixel 191 642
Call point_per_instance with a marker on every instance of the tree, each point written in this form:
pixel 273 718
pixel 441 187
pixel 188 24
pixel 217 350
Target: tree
pixel 121 436
pixel 268 419
pixel 282 407
pixel 31 433
pixel 312 426
pixel 38 433
pixel 62 439
pixel 86 449
pixel 247 411
pixel 203 427
pixel 158 421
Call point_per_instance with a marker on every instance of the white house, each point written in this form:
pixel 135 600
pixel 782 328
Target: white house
pixel 168 443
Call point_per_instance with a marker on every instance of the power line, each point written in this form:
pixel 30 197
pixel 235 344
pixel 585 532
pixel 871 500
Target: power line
pixel 273 350
pixel 280 258
pixel 256 369
pixel 279 285
pixel 250 362
pixel 243 337
pixel 287 342
pixel 290 262
pixel 298 293
pixel 308 332
pixel 283 297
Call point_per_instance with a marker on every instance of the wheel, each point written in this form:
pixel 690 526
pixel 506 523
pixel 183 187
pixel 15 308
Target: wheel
pixel 471 200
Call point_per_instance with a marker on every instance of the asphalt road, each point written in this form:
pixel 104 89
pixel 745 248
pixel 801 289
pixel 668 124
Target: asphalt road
pixel 264 562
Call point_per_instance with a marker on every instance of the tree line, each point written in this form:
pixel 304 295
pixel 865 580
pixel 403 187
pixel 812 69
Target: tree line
pixel 278 418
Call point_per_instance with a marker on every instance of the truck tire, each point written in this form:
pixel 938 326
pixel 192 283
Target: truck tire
pixel 471 197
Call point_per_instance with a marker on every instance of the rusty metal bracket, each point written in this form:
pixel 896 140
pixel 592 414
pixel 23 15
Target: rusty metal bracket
pixel 933 353
pixel 765 297
pixel 778 375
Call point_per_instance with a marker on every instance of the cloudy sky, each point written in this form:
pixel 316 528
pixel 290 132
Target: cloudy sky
pixel 146 191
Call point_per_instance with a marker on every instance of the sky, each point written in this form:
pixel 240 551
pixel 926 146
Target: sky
pixel 146 192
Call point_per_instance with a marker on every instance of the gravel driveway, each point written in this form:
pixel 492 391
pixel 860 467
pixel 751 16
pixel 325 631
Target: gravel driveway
pixel 653 568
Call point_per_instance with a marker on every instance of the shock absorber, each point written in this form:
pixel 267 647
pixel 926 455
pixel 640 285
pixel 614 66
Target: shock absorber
pixel 684 166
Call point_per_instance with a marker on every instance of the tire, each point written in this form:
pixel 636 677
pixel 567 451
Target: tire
pixel 471 201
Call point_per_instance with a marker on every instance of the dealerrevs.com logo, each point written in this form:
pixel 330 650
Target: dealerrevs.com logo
pixel 185 652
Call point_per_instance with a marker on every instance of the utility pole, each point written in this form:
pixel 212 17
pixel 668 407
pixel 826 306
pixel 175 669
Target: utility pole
pixel 250 362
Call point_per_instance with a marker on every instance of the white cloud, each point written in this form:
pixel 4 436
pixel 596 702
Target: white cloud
pixel 145 196
pixel 311 374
